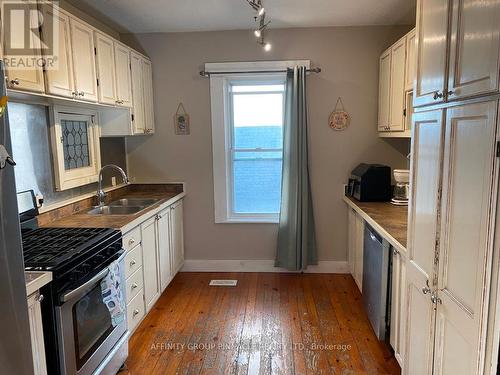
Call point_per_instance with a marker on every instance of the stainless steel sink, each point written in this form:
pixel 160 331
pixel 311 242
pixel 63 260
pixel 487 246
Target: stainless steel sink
pixel 136 202
pixel 116 210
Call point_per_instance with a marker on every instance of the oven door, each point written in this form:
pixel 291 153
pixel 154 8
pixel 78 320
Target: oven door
pixel 86 333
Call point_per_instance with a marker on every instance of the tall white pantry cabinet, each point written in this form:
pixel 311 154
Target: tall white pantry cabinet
pixel 452 279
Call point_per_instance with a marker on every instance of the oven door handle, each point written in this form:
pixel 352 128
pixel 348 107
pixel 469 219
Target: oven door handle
pixel 88 285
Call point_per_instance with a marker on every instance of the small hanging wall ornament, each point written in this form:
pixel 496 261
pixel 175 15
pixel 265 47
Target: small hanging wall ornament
pixel 339 119
pixel 181 120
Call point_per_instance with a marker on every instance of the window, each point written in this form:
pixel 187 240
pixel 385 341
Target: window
pixel 76 152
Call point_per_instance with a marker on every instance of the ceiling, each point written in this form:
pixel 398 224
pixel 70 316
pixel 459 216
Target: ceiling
pixel 210 15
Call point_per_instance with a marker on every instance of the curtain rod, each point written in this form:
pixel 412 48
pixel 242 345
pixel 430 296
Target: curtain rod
pixel 204 73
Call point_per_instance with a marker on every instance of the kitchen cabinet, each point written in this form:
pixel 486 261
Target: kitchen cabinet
pixel 397 77
pixel 82 41
pixel 453 63
pixel 398 321
pixel 36 330
pixel 138 120
pixel 24 79
pixel 147 79
pixel 447 266
pixel 106 74
pixel 61 80
pixel 356 230
pixel 150 262
pixel 384 91
pixel 177 234
pixel 123 77
pixel 164 247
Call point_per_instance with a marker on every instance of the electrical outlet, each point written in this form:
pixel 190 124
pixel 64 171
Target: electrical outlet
pixel 113 181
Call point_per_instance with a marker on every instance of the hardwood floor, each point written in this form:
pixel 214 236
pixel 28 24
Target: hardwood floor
pixel 268 324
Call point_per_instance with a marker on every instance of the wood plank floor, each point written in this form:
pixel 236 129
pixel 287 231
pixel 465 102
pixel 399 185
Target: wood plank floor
pixel 268 324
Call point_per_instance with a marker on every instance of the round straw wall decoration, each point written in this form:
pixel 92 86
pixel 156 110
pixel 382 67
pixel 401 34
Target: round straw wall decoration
pixel 339 118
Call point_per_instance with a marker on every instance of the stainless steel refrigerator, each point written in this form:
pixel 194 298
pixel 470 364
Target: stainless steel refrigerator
pixel 15 343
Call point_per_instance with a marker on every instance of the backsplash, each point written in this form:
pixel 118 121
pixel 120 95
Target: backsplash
pixel 31 150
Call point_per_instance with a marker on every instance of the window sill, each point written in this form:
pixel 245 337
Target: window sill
pixel 247 220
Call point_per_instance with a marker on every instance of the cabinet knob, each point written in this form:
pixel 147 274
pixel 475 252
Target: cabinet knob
pixel 131 241
pixel 395 252
pixel 136 312
pixel 81 93
pixel 437 95
pixel 15 81
pixel 40 298
pixel 134 286
pixel 426 290
pixel 435 299
pixel 133 262
pixel 450 93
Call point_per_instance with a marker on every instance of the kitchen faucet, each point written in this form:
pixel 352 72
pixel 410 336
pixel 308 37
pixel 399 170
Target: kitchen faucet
pixel 101 195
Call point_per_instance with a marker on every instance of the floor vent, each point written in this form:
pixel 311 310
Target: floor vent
pixel 223 282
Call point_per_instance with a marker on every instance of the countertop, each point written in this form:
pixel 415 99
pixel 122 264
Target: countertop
pixel 390 221
pixel 85 220
pixel 36 280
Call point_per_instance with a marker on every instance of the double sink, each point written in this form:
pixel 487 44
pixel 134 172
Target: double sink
pixel 124 206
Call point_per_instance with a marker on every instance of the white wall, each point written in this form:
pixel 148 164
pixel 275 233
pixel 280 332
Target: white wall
pixel 349 59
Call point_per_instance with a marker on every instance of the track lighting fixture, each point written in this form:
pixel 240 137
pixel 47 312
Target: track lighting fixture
pixel 260 19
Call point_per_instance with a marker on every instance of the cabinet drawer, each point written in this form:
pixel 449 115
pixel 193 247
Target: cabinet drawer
pixel 134 284
pixel 135 311
pixel 132 239
pixel 133 261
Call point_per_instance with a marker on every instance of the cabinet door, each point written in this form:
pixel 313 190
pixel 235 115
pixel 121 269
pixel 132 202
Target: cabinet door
pixel 411 59
pixel 147 80
pixel 82 40
pixel 106 74
pixel 177 237
pixel 474 51
pixel 359 248
pixel 150 263
pixel 24 79
pixel 384 91
pixel 351 224
pixel 36 330
pixel 398 321
pixel 123 79
pixel 164 248
pixel 60 80
pixel 466 244
pixel 422 234
pixel 397 95
pixel 137 94
pixel 431 45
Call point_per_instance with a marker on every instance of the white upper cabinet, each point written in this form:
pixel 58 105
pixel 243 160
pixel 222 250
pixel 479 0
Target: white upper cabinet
pixel 397 92
pixel 147 79
pixel 458 62
pixel 82 40
pixel 123 76
pixel 474 50
pixel 105 59
pixel 411 60
pixel 384 91
pixel 139 126
pixel 24 79
pixel 60 80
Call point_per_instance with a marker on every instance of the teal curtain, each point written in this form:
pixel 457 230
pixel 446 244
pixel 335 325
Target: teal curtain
pixel 296 237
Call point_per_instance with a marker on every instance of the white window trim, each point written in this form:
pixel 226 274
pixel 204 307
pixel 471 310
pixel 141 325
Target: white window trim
pixel 221 131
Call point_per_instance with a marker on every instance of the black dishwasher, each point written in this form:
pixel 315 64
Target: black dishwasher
pixel 376 271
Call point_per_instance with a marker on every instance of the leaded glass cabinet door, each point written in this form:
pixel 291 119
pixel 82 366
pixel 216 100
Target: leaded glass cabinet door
pixel 75 148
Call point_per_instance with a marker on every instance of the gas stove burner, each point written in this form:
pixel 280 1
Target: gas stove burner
pixel 47 248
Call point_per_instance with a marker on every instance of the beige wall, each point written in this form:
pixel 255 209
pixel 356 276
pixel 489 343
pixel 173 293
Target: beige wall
pixel 349 59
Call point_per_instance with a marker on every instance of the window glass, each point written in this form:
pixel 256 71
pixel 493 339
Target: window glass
pixel 75 144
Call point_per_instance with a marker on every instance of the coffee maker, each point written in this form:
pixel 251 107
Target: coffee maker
pixel 402 189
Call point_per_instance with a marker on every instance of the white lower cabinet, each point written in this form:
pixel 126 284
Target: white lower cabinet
pixel 356 230
pixel 155 253
pixel 398 326
pixel 36 330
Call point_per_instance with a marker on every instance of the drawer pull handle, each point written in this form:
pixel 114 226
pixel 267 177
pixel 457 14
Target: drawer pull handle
pixel 131 241
pixel 15 82
pixel 135 313
pixel 134 286
pixel 133 263
pixel 40 298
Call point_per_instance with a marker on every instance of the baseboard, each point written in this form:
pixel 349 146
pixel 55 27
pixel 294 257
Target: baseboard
pixel 192 265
